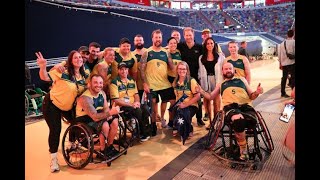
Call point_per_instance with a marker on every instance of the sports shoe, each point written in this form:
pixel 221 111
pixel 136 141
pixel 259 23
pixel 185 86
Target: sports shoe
pixel 54 165
pixel 244 156
pixel 163 123
pixel 111 151
pixel 144 138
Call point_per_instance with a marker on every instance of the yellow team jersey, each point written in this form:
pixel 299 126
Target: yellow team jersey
pixel 157 69
pixel 95 70
pixel 188 88
pixel 131 62
pixel 176 58
pixel 64 92
pixel 139 80
pixel 98 102
pixel 238 65
pixel 123 91
pixel 234 91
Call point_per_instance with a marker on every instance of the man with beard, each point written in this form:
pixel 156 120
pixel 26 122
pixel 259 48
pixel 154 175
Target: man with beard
pixel 237 98
pixel 92 109
pixel 139 49
pixel 190 52
pixel 154 75
pixel 139 45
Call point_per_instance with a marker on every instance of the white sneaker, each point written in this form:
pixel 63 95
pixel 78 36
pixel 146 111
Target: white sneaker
pixel 54 165
pixel 163 123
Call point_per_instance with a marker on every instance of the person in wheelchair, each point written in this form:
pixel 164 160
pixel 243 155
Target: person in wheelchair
pixel 237 98
pixel 92 108
pixel 124 92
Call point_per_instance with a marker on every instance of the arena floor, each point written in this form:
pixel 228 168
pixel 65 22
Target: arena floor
pixel 164 156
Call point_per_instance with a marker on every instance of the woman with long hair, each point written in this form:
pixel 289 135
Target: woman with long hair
pixel 210 65
pixel 66 87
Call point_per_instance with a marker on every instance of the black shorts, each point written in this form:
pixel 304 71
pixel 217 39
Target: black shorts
pixel 96 126
pixel 165 94
pixel 246 110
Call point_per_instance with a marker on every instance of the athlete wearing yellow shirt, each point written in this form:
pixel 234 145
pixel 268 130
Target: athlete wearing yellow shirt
pixel 237 98
pixel 92 109
pixel 104 68
pixel 154 74
pixel 123 54
pixel 240 63
pixel 124 92
pixel 59 101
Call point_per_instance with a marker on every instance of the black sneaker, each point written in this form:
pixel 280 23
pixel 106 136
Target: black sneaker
pixel 200 122
pixel 111 151
pixel 144 138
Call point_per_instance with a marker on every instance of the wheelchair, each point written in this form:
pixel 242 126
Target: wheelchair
pixel 222 142
pixel 80 143
pixel 33 101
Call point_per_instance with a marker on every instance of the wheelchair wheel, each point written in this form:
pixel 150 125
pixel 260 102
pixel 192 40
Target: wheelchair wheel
pixel 215 127
pixel 77 145
pixel 121 138
pixel 264 132
pixel 132 125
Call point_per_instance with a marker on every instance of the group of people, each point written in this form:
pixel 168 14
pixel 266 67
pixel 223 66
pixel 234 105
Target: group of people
pixel 103 83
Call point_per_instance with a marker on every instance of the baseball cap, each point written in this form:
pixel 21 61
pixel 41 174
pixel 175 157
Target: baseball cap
pixel 124 40
pixel 83 49
pixel 206 30
pixel 122 64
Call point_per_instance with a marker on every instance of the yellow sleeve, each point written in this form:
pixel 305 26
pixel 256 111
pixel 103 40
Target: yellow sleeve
pixel 54 75
pixel 194 84
pixel 135 66
pixel 114 93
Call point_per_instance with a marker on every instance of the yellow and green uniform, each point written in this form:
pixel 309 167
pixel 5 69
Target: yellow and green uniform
pixel 64 91
pixel 176 58
pixel 157 69
pixel 238 65
pixel 234 91
pixel 122 90
pixel 95 70
pixel 139 80
pixel 98 102
pixel 187 88
pixel 131 62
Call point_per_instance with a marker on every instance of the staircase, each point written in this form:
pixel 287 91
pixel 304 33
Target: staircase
pixel 232 20
pixel 205 18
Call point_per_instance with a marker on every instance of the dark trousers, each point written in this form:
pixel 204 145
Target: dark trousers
pixel 142 115
pixel 52 115
pixel 286 70
pixel 199 110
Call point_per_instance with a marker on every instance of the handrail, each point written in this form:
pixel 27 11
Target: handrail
pixel 50 62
